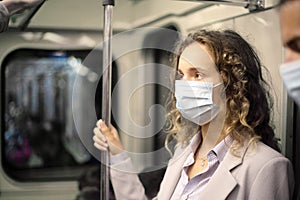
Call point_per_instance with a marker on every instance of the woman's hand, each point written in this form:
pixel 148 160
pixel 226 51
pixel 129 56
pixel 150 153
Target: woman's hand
pixel 107 138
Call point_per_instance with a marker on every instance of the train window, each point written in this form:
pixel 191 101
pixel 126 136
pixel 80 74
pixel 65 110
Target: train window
pixel 38 135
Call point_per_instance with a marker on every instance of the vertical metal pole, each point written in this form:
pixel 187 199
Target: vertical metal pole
pixel 106 93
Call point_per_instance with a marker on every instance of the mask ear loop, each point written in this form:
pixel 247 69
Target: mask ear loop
pixel 216 85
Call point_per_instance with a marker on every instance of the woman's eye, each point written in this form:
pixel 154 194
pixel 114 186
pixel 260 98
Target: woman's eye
pixel 294 44
pixel 199 76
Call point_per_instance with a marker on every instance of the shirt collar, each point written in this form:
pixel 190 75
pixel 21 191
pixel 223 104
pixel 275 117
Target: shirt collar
pixel 219 150
pixel 222 148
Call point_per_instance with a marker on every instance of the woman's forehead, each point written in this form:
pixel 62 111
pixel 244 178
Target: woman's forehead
pixel 198 56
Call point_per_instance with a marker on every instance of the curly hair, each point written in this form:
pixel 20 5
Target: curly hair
pixel 248 102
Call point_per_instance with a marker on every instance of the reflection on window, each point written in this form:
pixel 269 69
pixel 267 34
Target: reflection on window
pixel 39 131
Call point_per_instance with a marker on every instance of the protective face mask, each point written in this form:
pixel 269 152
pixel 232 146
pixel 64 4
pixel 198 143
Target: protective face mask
pixel 290 73
pixel 194 101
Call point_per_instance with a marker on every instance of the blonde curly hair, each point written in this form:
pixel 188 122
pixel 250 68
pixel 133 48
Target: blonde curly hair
pixel 248 101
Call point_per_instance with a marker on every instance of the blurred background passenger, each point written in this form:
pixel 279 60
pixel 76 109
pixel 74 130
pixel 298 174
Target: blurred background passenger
pixel 290 32
pixel 290 70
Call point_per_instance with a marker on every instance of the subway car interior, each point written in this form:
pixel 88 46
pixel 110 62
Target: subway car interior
pixel 51 87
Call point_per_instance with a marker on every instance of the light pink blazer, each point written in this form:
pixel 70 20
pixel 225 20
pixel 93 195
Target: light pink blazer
pixel 259 173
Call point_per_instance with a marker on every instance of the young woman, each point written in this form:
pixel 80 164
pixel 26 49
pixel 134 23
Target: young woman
pixel 231 154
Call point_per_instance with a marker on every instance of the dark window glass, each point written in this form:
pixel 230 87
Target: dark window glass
pixel 39 138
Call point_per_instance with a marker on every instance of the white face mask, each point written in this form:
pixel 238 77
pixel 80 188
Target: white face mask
pixel 290 73
pixel 194 101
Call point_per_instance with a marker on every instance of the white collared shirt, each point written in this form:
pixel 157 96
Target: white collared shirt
pixel 190 189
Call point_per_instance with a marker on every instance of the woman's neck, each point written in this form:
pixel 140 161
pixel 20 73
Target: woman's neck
pixel 204 130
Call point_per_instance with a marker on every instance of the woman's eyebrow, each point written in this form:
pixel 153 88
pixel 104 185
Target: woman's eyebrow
pixel 198 69
pixel 194 69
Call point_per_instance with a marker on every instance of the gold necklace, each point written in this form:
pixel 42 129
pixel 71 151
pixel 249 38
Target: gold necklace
pixel 203 161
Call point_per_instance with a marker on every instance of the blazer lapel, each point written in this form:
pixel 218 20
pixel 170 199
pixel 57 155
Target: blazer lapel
pixel 219 186
pixel 222 182
pixel 173 173
pixel 174 169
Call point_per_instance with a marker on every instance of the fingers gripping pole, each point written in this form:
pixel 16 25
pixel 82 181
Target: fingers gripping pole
pixel 106 93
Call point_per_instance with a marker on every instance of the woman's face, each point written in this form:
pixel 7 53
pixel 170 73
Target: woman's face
pixel 196 64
